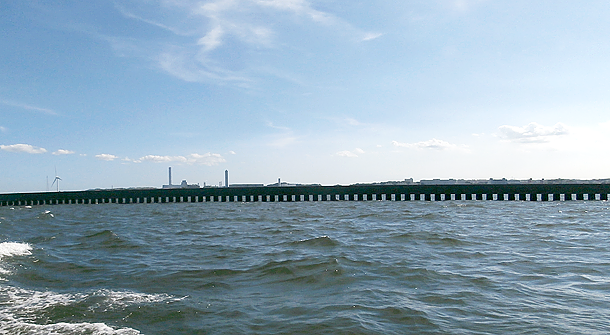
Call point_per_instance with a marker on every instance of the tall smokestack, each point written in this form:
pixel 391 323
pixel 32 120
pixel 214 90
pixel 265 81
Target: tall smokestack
pixel 226 178
pixel 170 175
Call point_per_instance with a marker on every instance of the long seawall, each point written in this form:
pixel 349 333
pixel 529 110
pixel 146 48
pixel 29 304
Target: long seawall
pixel 501 192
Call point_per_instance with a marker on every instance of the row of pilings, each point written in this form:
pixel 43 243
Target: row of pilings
pixel 502 192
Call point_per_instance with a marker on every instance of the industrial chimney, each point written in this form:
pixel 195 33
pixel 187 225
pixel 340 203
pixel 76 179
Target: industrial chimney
pixel 226 178
pixel 170 176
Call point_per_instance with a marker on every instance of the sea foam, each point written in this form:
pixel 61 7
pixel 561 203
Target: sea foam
pixel 21 304
pixel 11 249
pixel 20 327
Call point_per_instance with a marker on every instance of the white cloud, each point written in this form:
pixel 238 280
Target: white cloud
pixel 433 144
pixel 212 39
pixel 232 152
pixel 371 36
pixel 162 159
pixel 346 153
pixel 532 133
pixel 204 159
pixel 106 157
pixel 3 129
pixel 63 152
pixel 23 148
pixel 353 153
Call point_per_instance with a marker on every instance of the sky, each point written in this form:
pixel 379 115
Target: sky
pixel 109 94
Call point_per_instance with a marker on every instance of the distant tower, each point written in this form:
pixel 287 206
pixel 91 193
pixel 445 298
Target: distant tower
pixel 279 182
pixel 170 175
pixel 226 178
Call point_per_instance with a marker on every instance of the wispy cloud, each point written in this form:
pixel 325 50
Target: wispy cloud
pixel 204 30
pixel 433 144
pixel 27 107
pixel 23 148
pixel 106 157
pixel 353 153
pixel 350 122
pixel 282 140
pixel 272 125
pixel 63 152
pixel 464 5
pixel 203 159
pixel 371 36
pixel 284 137
pixel 3 129
pixel 532 133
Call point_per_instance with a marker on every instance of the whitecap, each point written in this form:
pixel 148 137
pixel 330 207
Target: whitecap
pixel 21 303
pixel 11 249
pixel 20 327
pixel 46 215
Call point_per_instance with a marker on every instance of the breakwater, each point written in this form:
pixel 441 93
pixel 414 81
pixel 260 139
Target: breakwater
pixel 370 192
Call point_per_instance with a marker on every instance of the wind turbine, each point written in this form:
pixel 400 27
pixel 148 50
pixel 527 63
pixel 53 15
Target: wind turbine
pixel 57 179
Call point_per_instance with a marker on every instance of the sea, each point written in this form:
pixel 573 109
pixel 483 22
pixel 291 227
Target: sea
pixel 340 267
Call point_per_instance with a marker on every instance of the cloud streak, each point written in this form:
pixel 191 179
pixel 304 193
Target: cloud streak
pixel 28 107
pixel 23 148
pixel 208 159
pixel 433 144
pixel 532 133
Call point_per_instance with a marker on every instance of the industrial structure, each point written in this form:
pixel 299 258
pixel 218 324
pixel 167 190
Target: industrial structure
pixel 183 184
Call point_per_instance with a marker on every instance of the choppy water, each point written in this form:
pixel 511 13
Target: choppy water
pixel 306 268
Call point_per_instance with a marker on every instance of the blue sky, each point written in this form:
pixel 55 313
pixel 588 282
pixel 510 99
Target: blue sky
pixel 112 93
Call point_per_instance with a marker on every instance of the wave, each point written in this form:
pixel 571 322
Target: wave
pixel 11 249
pixel 34 312
pixel 105 234
pixel 21 327
pixel 307 270
pixel 45 215
pixel 432 238
pixel 322 241
pixel 107 239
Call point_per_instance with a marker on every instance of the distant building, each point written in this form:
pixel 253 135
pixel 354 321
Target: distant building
pixel 438 182
pixel 183 184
